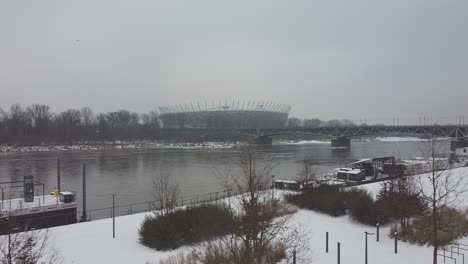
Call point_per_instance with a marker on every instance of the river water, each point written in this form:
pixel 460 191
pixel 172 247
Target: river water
pixel 130 173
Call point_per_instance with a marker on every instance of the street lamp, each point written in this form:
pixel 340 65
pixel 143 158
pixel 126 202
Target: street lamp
pixel 366 233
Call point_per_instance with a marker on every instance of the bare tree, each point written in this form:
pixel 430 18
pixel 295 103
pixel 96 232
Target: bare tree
pixel 226 180
pixel 27 248
pixel 440 187
pixel 40 116
pixel 306 175
pixel 165 192
pixel 256 225
pixel 87 116
pixel 67 124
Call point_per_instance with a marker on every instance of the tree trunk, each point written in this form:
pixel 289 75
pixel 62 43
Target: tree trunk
pixel 435 240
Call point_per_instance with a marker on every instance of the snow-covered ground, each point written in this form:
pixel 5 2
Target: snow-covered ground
pixel 92 242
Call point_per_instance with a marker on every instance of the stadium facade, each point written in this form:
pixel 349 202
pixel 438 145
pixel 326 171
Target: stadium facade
pixel 234 114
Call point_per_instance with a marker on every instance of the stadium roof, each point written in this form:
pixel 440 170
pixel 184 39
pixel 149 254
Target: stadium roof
pixel 250 105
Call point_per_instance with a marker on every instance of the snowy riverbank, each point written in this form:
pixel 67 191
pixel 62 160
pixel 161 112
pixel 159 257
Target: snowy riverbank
pixel 96 245
pixel 119 146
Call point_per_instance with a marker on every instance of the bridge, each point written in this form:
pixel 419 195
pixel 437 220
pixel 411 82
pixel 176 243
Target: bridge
pixel 340 136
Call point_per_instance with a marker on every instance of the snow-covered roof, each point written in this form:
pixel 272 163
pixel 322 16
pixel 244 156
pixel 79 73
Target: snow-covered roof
pixel 360 161
pixel 284 181
pixel 356 171
pixel 66 193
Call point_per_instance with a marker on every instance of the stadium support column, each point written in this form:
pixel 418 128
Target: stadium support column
pixel 341 142
pixel 263 140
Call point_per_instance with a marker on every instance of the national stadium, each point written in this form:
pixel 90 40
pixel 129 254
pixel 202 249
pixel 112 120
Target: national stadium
pixel 229 115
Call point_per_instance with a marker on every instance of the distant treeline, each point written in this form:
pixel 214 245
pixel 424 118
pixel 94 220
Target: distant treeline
pixel 315 122
pixel 37 124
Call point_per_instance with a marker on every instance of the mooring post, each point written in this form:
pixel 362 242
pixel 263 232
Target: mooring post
pixel 58 175
pixel 83 216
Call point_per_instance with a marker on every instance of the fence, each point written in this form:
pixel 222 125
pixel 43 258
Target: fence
pixel 133 208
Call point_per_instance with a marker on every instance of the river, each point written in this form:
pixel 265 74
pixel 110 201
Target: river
pixel 130 173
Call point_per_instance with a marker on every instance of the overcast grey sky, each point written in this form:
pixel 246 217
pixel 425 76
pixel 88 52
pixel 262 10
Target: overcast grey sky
pixel 327 59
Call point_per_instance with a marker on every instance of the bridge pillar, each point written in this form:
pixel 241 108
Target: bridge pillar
pixel 263 140
pixel 458 143
pixel 341 142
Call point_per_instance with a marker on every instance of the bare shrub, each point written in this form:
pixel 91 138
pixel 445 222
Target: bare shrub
pixel 27 248
pixel 181 258
pixel 165 193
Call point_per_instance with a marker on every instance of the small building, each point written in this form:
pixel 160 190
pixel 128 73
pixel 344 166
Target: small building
pixel 359 170
pixel 461 152
pixel 350 174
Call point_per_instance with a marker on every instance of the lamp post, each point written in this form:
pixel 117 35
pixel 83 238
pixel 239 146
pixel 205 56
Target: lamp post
pixel 366 233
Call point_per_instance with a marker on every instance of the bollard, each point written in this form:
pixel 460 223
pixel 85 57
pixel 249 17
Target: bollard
pixel 339 253
pixel 294 257
pixel 378 229
pixel 396 243
pixel 326 242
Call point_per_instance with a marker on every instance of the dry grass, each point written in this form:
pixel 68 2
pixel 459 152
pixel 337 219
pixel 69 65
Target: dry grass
pixel 226 253
pixel 284 208
pixel 452 225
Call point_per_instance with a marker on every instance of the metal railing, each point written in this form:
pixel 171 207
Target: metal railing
pixel 154 205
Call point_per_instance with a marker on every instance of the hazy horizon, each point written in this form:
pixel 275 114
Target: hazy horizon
pixel 328 59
